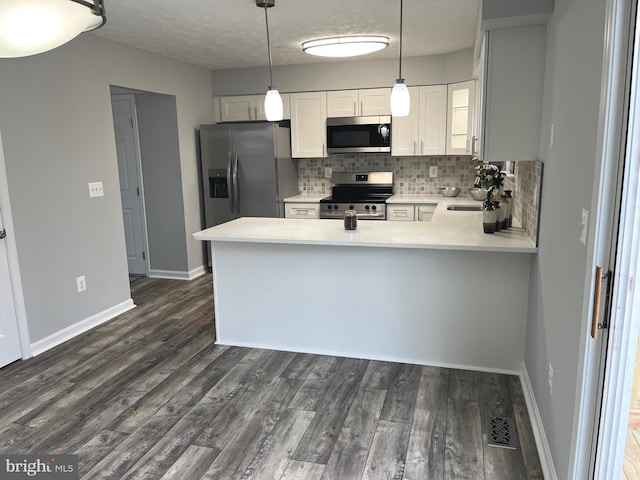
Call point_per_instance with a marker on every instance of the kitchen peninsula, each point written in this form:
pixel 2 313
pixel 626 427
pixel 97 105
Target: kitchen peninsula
pixel 437 293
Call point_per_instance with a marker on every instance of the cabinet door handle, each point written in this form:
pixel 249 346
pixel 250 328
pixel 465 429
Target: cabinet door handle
pixel 422 147
pixel 415 144
pixel 473 146
pixel 361 108
pixel 324 150
pixel 355 107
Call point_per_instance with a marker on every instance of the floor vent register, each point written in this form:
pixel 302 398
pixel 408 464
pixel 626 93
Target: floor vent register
pixel 501 433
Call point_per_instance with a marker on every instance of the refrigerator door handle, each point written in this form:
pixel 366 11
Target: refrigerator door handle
pixel 236 193
pixel 229 184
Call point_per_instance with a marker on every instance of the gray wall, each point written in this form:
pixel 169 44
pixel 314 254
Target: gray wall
pixel 575 37
pixel 163 196
pixel 58 135
pixel 435 69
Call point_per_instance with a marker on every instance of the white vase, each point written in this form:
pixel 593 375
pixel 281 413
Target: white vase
pixel 489 220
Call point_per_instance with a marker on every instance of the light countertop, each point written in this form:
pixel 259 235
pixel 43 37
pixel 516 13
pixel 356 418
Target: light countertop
pixel 306 198
pixel 446 231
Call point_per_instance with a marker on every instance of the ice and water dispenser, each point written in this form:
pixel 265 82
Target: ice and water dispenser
pixel 218 186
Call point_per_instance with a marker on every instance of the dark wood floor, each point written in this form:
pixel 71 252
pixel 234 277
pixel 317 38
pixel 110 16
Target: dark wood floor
pixel 149 396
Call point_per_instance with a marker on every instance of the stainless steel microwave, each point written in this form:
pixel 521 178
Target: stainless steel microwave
pixel 359 134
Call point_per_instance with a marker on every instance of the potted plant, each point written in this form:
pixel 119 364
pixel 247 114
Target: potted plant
pixel 490 211
pixel 486 176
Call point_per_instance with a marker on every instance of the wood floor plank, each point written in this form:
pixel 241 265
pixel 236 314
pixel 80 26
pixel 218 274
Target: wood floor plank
pixel 238 409
pixel 378 374
pixel 25 404
pixel 495 401
pixel 157 426
pixel 528 448
pixel 401 394
pixel 150 403
pixel 244 445
pixel 192 463
pixel 464 456
pixel 463 384
pixel 302 471
pixel 97 448
pixel 321 436
pixel 315 385
pixel 12 438
pixel 388 452
pixel 275 452
pixel 425 455
pixel 350 453
pixel 301 366
pixel 168 449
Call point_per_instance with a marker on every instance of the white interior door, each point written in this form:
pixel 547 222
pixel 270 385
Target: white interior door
pixel 123 107
pixel 9 337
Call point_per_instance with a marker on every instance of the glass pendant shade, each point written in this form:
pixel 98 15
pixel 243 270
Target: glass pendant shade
pixel 28 27
pixel 273 108
pixel 400 99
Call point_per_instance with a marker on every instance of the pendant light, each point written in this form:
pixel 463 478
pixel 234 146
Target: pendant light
pixel 400 101
pixel 28 27
pixel 273 107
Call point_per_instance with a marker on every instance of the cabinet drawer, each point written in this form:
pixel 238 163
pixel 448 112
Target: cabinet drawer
pixel 424 213
pixel 301 210
pixel 401 213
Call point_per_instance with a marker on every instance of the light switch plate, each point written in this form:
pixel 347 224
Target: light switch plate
pixel 433 171
pixel 96 189
pixel 584 221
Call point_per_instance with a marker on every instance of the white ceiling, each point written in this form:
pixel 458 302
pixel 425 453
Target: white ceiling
pixel 221 34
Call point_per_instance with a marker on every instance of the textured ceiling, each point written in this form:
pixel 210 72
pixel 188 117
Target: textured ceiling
pixel 221 34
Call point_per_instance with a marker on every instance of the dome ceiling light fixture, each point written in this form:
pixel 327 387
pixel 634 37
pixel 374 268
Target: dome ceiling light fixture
pixel 347 46
pixel 28 27
pixel 273 107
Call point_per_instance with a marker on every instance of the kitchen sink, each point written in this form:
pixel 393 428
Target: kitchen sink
pixel 465 208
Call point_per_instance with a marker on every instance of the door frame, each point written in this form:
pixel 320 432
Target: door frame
pixel 605 208
pixel 12 256
pixel 131 98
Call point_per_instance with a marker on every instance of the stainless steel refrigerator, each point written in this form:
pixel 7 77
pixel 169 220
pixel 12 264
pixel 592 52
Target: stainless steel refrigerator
pixel 247 170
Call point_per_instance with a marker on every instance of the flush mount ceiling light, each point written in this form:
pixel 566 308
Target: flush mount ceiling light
pixel 345 46
pixel 28 27
pixel 273 108
pixel 400 100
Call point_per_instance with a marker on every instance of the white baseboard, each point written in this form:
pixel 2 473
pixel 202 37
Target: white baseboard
pixel 363 356
pixel 544 452
pixel 177 274
pixel 82 326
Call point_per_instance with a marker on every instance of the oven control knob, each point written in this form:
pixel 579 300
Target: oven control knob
pixel 366 207
pixel 350 207
pixel 335 207
pixel 373 208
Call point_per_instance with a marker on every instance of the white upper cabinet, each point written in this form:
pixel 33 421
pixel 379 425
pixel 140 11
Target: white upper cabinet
pixel 423 131
pixel 433 120
pixel 308 124
pixel 353 103
pixel 513 83
pixel 246 108
pixel 460 119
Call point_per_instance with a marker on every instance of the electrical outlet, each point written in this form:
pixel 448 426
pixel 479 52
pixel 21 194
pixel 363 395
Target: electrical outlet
pixel 584 221
pixel 96 189
pixel 81 282
pixel 550 379
pixel 327 172
pixel 433 171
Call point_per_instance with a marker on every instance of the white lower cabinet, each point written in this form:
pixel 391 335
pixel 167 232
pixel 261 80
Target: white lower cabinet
pixel 410 212
pixel 301 210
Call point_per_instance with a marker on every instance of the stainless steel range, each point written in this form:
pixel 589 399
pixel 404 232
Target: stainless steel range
pixel 365 193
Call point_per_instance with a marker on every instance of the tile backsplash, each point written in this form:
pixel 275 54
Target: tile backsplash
pixel 410 174
pixel 411 177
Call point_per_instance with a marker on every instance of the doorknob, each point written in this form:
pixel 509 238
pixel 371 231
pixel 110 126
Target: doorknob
pixel 3 234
